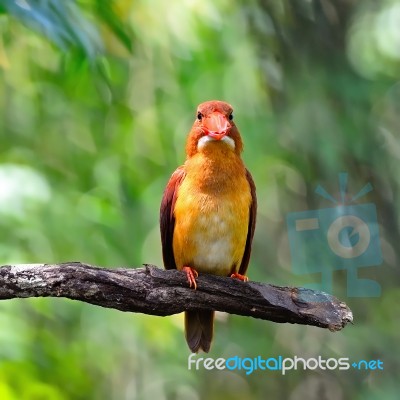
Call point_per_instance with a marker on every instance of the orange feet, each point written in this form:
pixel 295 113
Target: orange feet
pixel 191 275
pixel 243 278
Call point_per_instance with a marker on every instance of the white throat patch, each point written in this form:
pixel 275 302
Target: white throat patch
pixel 206 139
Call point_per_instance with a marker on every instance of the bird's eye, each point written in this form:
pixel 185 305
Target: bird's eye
pixel 230 117
pixel 199 116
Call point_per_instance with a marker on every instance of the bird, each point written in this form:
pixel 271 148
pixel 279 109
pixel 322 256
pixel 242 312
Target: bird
pixel 208 211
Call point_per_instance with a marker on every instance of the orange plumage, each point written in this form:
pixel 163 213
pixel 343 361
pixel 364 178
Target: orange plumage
pixel 207 215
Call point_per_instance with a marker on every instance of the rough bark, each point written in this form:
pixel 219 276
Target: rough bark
pixel 151 290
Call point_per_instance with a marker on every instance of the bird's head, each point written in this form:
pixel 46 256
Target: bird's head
pixel 214 127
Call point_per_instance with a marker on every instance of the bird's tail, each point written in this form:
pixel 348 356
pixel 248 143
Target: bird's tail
pixel 199 326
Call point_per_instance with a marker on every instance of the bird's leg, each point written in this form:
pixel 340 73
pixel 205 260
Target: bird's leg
pixel 191 275
pixel 241 277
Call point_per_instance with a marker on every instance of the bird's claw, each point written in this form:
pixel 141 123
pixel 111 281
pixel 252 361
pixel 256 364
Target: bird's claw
pixel 241 277
pixel 191 275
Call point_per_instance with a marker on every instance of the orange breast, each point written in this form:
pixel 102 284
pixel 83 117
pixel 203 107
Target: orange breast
pixel 212 215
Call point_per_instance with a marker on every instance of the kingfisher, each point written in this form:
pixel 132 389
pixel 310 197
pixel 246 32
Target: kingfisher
pixel 208 211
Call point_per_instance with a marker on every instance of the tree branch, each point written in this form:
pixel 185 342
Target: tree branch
pixel 151 290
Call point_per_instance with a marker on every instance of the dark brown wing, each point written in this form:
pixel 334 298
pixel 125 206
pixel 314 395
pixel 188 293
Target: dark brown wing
pixel 252 225
pixel 167 218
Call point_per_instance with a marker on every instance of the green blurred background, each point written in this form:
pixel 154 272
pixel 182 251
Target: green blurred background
pixel 96 100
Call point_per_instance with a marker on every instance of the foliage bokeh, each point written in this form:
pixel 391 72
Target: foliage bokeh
pixel 96 99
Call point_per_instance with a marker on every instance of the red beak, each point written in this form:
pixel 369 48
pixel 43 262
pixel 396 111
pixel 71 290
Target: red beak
pixel 216 125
